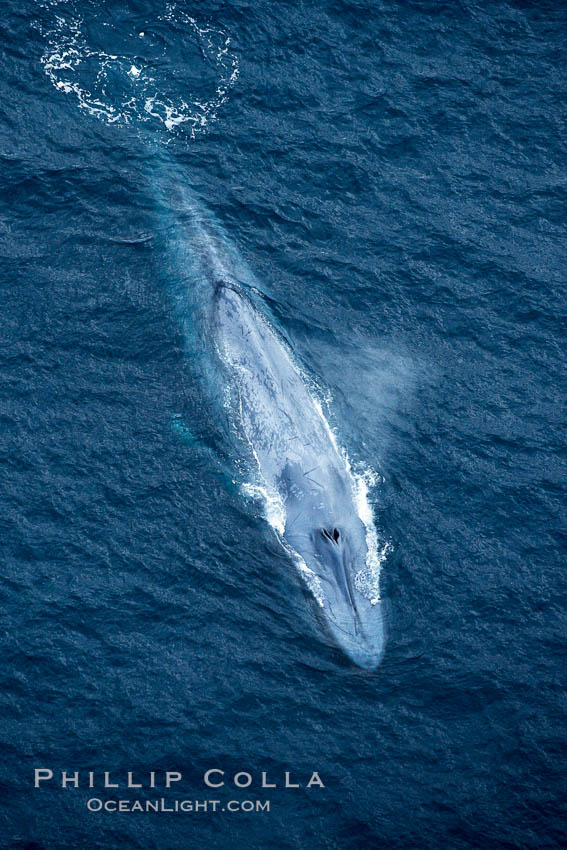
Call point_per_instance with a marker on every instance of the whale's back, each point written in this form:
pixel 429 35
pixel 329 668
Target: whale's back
pixel 279 415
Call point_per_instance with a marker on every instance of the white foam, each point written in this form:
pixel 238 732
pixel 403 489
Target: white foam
pixel 77 69
pixel 367 580
pixel 309 576
pixel 274 508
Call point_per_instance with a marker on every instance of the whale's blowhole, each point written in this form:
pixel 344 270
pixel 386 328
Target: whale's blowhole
pixel 333 535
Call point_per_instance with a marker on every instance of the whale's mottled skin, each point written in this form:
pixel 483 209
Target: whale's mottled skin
pixel 298 457
pixel 278 416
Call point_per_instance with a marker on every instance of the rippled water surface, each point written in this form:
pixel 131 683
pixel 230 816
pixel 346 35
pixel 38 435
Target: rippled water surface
pixel 394 175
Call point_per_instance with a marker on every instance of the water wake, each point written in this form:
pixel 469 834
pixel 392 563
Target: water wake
pixel 172 70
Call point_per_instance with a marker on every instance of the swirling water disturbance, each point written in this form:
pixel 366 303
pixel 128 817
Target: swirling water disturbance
pixel 135 86
pixel 394 174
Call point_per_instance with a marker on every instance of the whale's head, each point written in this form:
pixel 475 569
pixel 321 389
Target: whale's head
pixel 340 556
pixel 332 543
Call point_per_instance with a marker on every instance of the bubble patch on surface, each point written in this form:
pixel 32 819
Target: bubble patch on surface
pixel 143 79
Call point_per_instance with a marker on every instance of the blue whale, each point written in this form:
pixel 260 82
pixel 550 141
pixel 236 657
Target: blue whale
pixel 275 412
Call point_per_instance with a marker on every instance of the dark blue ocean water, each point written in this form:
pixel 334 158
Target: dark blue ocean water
pixel 395 174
